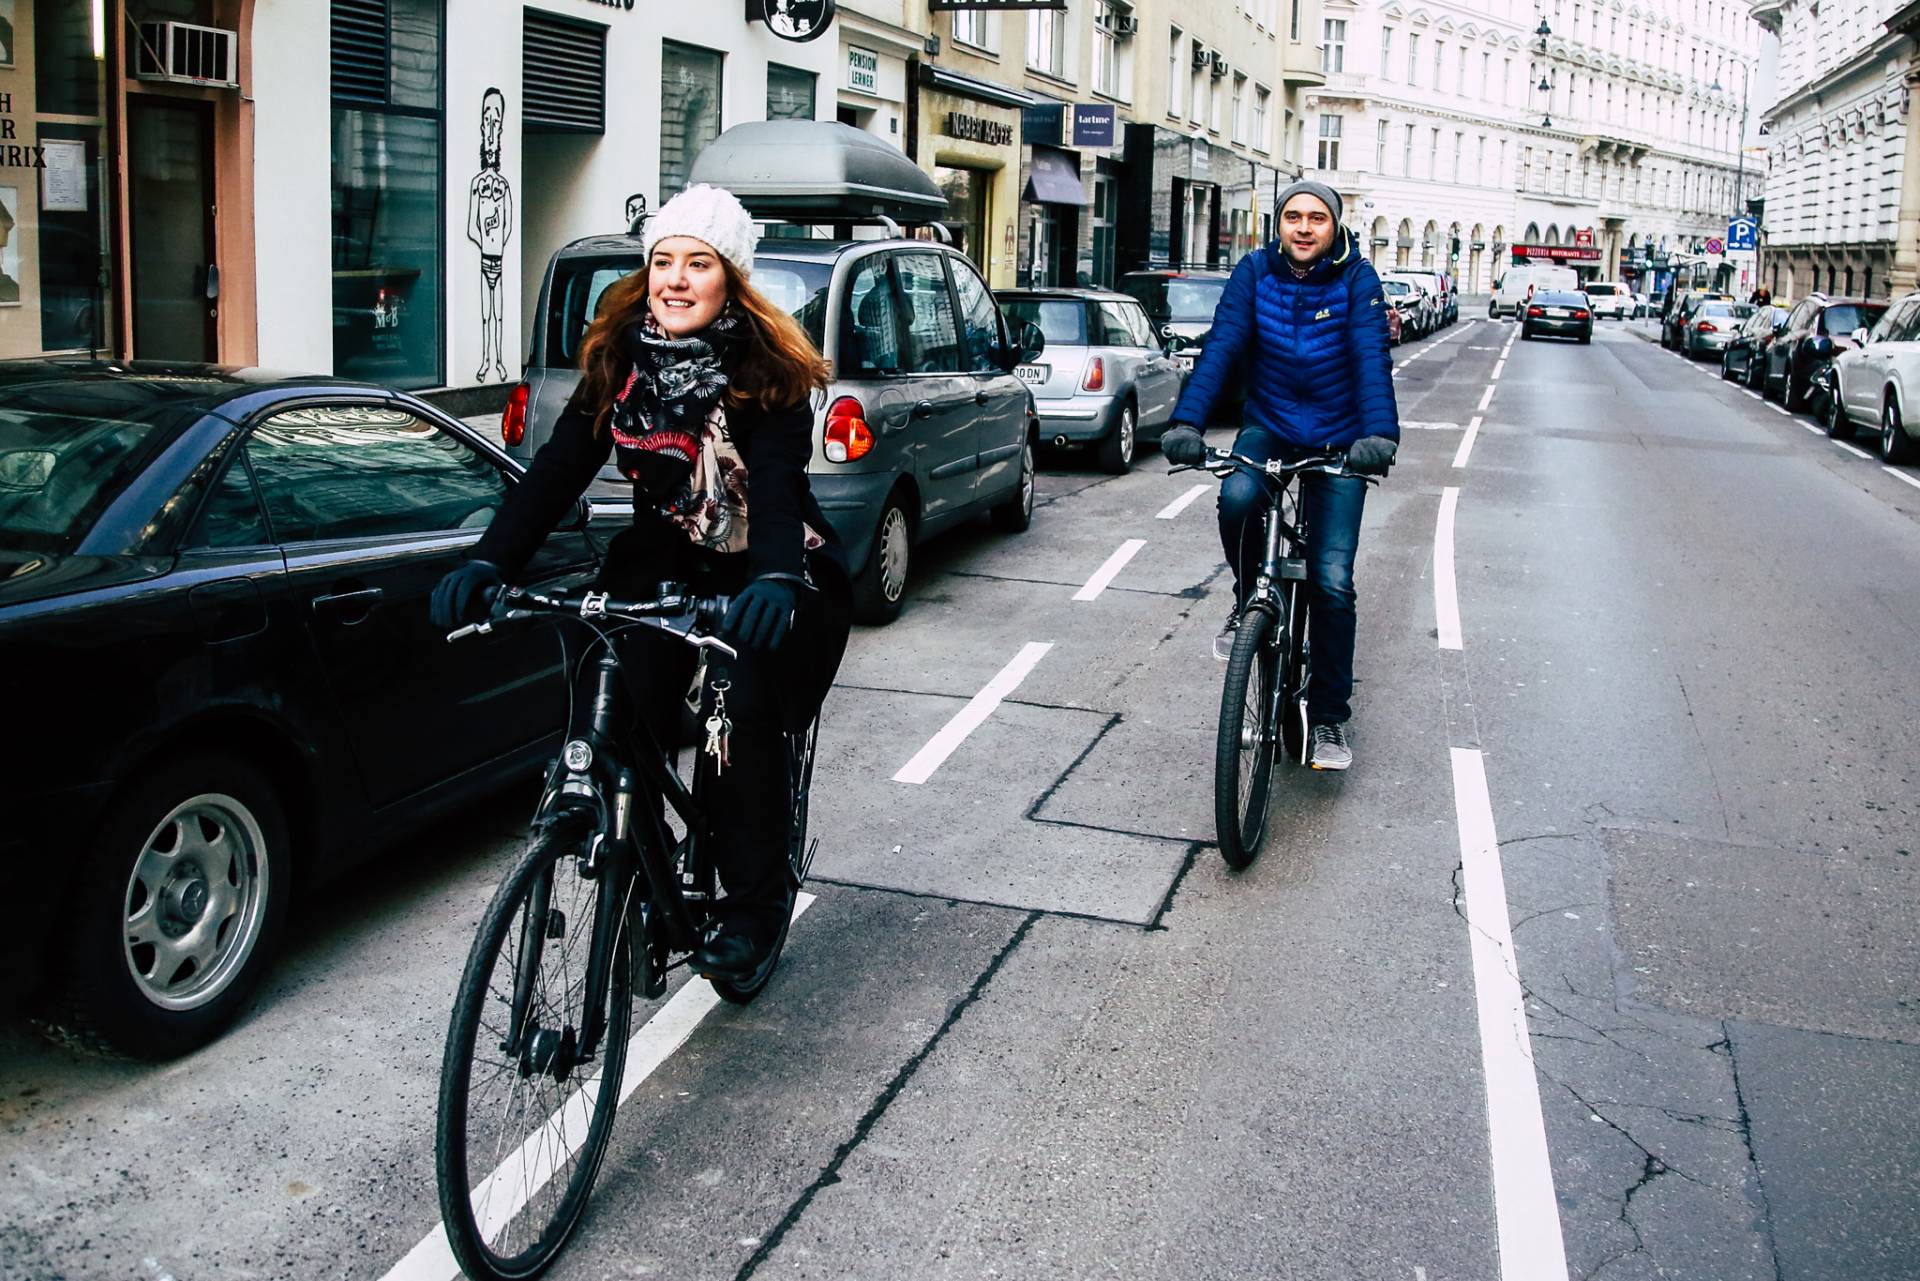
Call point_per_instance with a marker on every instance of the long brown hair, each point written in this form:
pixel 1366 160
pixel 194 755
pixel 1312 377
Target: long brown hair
pixel 776 364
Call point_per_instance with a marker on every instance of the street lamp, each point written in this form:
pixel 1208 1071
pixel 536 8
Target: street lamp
pixel 1543 31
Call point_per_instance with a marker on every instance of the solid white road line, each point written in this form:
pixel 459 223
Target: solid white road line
pixel 1527 1215
pixel 652 1045
pixel 1855 450
pixel 1750 392
pixel 1466 442
pixel 1897 474
pixel 1446 598
pixel 1499 365
pixel 1111 570
pixel 1780 410
pixel 1812 428
pixel 972 716
pixel 1486 398
pixel 1181 503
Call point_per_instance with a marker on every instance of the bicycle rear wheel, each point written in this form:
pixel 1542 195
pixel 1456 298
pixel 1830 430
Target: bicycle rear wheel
pixel 800 753
pixel 524 1118
pixel 1243 752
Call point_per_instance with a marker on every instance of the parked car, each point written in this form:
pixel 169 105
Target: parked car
pixel 1817 328
pixel 1560 312
pixel 1680 314
pixel 1877 381
pixel 1182 303
pixel 1105 379
pixel 925 425
pixel 213 615
pixel 1610 298
pixel 1419 315
pixel 1517 285
pixel 1711 326
pixel 1446 303
pixel 1744 356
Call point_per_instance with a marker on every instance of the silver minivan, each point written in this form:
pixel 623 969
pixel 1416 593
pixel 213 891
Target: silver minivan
pixel 925 425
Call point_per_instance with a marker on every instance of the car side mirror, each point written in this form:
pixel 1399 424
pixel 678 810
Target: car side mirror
pixel 1859 337
pixel 1822 345
pixel 1173 344
pixel 1032 341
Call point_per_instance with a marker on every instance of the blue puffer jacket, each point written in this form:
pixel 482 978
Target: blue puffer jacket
pixel 1314 352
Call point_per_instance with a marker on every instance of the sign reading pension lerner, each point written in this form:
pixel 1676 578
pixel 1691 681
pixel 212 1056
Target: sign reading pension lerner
pixel 795 20
pixel 936 6
pixel 863 70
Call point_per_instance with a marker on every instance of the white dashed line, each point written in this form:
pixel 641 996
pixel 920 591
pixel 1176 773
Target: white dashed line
pixel 973 715
pixel 1446 597
pixel 1466 442
pixel 1181 503
pixel 1498 366
pixel 1778 410
pixel 1856 451
pixel 1486 398
pixel 1110 569
pixel 1901 476
pixel 1815 430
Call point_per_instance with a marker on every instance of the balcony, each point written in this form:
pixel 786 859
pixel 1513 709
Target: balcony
pixel 1302 66
pixel 1767 13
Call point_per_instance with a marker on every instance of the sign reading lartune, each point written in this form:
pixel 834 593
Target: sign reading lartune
pixel 795 20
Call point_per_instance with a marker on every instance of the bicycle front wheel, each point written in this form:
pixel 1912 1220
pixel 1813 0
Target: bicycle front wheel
pixel 526 1106
pixel 1243 753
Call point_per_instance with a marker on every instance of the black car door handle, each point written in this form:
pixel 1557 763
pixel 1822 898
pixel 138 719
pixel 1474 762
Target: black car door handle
pixel 348 602
pixel 923 410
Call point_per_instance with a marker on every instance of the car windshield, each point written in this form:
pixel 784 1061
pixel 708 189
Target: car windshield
pixel 60 468
pixel 1604 290
pixel 1843 318
pixel 1736 310
pixel 1396 287
pixel 1062 320
pixel 1560 298
pixel 797 286
pixel 1187 299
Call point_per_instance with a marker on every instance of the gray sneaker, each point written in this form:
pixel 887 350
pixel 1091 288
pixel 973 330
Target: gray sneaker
pixel 1223 643
pixel 1330 750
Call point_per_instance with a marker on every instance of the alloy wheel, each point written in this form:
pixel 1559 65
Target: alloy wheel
pixel 195 902
pixel 893 552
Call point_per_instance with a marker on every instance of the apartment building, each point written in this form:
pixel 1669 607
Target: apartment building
pixel 1472 134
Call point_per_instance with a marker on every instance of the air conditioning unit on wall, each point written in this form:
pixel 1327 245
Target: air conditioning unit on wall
pixel 1200 56
pixel 1219 66
pixel 182 53
pixel 1125 26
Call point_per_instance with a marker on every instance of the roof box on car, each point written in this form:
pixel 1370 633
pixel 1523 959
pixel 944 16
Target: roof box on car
pixel 818 171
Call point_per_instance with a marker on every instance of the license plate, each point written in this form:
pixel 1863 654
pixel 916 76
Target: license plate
pixel 1031 373
pixel 1558 311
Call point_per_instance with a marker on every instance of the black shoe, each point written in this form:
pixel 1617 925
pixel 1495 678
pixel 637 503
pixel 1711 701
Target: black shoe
pixel 735 949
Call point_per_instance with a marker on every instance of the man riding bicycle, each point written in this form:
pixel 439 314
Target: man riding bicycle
pixel 1304 320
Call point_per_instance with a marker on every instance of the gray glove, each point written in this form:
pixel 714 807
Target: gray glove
pixel 1184 447
pixel 1372 454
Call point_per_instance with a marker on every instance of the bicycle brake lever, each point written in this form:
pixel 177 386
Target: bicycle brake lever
pixel 471 629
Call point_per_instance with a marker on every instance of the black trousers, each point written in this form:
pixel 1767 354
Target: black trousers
pixel 767 696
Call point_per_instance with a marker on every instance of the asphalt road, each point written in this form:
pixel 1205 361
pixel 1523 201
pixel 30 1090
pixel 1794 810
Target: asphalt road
pixel 1032 1027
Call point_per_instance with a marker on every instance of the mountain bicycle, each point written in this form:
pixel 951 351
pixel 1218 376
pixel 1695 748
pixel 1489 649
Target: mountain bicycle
pixel 603 901
pixel 1263 706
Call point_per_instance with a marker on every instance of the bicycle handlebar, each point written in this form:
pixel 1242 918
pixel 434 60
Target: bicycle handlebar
pixel 701 614
pixel 1332 463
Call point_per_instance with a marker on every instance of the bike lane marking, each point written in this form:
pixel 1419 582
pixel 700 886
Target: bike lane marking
pixel 1486 398
pixel 1466 442
pixel 1110 570
pixel 656 1041
pixel 1525 1210
pixel 1181 503
pixel 972 716
pixel 1499 366
pixel 1446 599
pixel 1897 474
pixel 1855 450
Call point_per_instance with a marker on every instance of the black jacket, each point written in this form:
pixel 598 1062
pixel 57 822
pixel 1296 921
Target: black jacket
pixel 774 446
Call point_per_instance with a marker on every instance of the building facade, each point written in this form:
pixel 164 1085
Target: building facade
pixel 1839 135
pixel 1470 134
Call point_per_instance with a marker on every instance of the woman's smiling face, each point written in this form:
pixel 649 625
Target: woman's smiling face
pixel 686 285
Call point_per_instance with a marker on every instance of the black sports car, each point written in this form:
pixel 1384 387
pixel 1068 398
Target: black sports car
pixel 220 681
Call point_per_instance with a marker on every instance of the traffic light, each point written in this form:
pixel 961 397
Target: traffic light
pixel 1456 249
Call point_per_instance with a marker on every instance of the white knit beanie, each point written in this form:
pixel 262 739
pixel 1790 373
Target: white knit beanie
pixel 710 214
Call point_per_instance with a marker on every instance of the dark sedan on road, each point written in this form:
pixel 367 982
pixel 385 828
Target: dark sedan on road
pixel 1744 357
pixel 1817 329
pixel 1561 313
pixel 220 681
pixel 1182 303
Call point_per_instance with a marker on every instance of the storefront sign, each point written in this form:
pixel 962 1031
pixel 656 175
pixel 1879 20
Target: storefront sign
pixel 1044 125
pixel 863 70
pixel 1093 124
pixel 12 154
pixel 1554 253
pixel 63 183
pixel 1583 237
pixel 974 129
pixel 796 20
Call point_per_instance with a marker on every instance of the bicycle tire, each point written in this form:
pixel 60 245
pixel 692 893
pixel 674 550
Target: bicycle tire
pixel 1244 749
pixel 544 1223
pixel 800 755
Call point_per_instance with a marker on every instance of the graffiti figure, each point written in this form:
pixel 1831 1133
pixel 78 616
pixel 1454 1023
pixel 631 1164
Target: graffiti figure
pixel 636 213
pixel 490 225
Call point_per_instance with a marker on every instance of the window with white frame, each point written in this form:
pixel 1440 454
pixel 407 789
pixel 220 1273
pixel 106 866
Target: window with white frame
pixel 1216 104
pixel 1460 72
pixel 1176 76
pixel 1413 58
pixel 977 28
pixel 1406 153
pixel 1197 86
pixel 1386 53
pixel 1380 147
pixel 1112 60
pixel 1239 108
pixel 1439 62
pixel 1333 45
pixel 1329 142
pixel 1261 100
pixel 1047 41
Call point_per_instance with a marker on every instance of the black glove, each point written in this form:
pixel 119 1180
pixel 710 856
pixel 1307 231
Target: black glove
pixel 760 615
pixel 1184 446
pixel 1372 454
pixel 465 595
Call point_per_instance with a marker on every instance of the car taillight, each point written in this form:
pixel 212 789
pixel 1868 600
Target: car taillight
pixel 1706 327
pixel 1581 315
pixel 1096 375
pixel 847 437
pixel 1536 311
pixel 513 423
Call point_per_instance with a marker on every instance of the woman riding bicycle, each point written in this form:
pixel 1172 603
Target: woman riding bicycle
pixel 699 386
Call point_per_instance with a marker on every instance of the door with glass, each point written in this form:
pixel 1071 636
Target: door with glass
pixel 174 281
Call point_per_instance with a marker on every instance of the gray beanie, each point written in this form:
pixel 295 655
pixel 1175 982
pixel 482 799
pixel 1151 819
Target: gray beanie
pixel 1318 190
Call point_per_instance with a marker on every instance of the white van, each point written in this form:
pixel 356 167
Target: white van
pixel 1512 290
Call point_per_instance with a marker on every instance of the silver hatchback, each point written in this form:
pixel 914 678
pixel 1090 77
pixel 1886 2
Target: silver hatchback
pixel 1104 380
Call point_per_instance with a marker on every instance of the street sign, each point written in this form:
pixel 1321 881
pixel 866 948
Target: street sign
pixel 1743 235
pixel 1094 124
pixel 1715 245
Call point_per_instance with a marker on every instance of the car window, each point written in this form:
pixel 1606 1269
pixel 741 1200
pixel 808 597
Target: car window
pixel 233 516
pixel 367 471
pixel 1843 318
pixel 60 471
pixel 798 288
pixel 1193 301
pixel 932 337
pixel 1062 320
pixel 1136 317
pixel 1560 298
pixel 1115 330
pixel 1900 323
pixel 574 300
pixel 870 338
pixel 979 318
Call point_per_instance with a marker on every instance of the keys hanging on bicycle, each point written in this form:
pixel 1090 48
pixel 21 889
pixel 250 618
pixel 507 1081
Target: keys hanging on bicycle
pixel 719 726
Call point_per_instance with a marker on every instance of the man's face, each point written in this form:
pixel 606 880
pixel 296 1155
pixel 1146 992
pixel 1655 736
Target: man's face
pixel 490 122
pixel 1306 228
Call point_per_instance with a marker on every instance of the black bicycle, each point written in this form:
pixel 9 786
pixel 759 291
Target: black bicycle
pixel 604 900
pixel 1263 708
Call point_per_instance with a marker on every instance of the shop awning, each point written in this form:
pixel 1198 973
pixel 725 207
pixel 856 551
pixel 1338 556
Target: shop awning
pixel 1053 180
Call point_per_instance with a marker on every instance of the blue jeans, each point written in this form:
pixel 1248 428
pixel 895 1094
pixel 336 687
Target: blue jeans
pixel 1330 506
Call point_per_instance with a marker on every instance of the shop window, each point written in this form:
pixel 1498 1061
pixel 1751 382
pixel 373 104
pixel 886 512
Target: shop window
pixel 966 192
pixel 790 93
pixel 690 82
pixel 387 207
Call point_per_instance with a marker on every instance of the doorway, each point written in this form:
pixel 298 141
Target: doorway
pixel 174 280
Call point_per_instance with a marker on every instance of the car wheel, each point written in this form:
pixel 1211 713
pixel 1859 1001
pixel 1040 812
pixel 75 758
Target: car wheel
pixel 1526 332
pixel 1755 373
pixel 1016 513
pixel 1726 367
pixel 1793 395
pixel 1116 447
pixel 1493 312
pixel 1895 445
pixel 1586 335
pixel 880 588
pixel 177 911
pixel 1838 425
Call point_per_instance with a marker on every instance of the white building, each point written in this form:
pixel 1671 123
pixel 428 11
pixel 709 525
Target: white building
pixel 1463 136
pixel 1838 147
